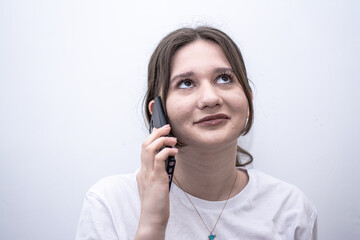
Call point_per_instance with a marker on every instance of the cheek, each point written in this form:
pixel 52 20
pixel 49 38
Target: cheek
pixel 238 102
pixel 243 109
pixel 180 114
pixel 177 110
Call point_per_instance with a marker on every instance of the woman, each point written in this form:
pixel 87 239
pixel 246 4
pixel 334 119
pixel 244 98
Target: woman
pixel 201 77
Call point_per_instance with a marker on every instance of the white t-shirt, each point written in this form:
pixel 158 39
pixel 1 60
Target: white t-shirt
pixel 266 208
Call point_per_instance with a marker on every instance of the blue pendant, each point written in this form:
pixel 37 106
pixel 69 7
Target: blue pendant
pixel 211 236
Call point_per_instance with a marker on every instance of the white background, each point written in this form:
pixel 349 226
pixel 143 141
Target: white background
pixel 72 77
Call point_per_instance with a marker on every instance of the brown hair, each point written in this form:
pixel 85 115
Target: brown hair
pixel 160 66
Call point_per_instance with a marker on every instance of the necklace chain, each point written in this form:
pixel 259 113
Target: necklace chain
pixel 227 199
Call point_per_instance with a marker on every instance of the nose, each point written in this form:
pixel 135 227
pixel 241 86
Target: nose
pixel 208 96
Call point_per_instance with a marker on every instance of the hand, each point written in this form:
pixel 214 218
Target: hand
pixel 153 182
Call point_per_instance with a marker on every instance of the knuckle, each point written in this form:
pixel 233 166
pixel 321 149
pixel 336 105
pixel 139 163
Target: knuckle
pixel 139 178
pixel 162 139
pixel 148 148
pixel 143 158
pixel 171 141
pixel 156 130
pixel 158 158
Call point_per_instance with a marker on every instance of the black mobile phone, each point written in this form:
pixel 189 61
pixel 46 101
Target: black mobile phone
pixel 158 119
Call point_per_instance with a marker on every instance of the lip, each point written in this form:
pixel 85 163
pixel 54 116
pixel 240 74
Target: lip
pixel 213 119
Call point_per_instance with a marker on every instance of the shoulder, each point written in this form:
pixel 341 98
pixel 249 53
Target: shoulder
pixel 280 205
pixel 269 184
pixel 287 202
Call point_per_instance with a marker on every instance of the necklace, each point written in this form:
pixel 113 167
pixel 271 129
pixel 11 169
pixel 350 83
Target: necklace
pixel 211 235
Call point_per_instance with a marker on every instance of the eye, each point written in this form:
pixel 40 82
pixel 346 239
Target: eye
pixel 186 84
pixel 224 79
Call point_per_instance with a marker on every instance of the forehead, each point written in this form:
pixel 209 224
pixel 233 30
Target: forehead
pixel 200 55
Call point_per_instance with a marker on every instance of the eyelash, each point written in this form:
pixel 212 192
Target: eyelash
pixel 230 76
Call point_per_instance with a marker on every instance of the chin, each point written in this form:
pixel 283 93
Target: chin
pixel 208 137
pixel 211 141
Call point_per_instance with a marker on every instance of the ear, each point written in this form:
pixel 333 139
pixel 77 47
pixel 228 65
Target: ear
pixel 151 106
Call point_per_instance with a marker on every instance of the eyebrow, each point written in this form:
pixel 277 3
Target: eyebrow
pixel 191 73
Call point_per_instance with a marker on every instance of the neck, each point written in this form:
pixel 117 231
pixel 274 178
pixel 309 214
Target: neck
pixel 209 173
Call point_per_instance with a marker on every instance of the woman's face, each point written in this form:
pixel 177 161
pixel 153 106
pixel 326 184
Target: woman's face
pixel 206 104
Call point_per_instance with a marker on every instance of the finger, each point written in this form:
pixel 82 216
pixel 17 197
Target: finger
pixel 146 153
pixel 161 142
pixel 156 133
pixel 149 152
pixel 159 161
